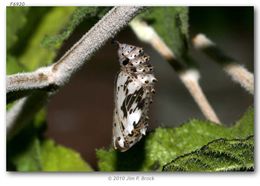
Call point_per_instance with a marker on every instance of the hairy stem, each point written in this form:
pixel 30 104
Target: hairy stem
pixel 190 80
pixel 23 84
pixel 237 72
pixel 59 73
pixel 189 77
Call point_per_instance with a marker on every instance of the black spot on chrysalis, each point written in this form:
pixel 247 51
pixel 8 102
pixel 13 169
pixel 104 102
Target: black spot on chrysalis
pixel 125 62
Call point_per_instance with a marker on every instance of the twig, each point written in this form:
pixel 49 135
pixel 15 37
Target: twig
pixel 237 72
pixel 147 34
pixel 60 72
pixel 23 111
pixel 189 77
pixel 23 84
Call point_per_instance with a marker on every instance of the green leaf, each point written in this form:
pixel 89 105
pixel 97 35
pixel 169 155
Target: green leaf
pixel 51 23
pixel 218 155
pixel 14 25
pixel 89 15
pixel 165 144
pixel 34 42
pixel 58 158
pixel 171 23
pixel 35 34
pixel 29 158
pixel 48 156
pixel 107 159
pixel 23 148
pixel 13 65
pixel 27 53
pixel 29 151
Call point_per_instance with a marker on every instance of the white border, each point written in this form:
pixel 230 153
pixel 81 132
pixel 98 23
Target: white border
pixel 69 179
pixel 133 2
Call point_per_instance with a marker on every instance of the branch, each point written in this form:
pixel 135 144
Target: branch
pixel 190 79
pixel 23 84
pixel 59 73
pixel 188 76
pixel 237 72
pixel 23 111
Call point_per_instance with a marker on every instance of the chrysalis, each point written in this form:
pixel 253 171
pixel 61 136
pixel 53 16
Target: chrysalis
pixel 133 94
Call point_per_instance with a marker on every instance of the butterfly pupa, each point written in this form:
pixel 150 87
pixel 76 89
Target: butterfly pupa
pixel 134 88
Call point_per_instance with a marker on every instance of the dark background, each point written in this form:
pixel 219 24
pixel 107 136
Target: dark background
pixel 80 115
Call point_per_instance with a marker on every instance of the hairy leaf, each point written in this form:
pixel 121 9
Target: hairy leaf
pixel 165 144
pixel 218 155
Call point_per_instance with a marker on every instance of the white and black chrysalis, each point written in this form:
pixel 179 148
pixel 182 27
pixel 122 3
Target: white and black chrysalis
pixel 134 87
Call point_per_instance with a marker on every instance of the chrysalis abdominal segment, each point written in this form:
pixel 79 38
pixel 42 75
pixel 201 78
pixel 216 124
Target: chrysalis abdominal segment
pixel 133 94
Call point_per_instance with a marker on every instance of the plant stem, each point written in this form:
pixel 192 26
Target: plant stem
pixel 188 76
pixel 237 72
pixel 190 79
pixel 23 111
pixel 59 73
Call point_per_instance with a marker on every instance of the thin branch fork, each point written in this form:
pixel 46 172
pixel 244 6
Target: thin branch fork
pixel 237 72
pixel 189 77
pixel 59 73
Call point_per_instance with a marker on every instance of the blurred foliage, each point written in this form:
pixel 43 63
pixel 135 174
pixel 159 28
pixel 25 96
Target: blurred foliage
pixel 166 144
pixel 35 34
pixel 219 21
pixel 218 155
pixel 59 158
pixel 30 151
pixel 14 25
pixel 29 159
pixel 27 53
pixel 87 14
pixel 34 37
pixel 47 156
pixel 171 23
